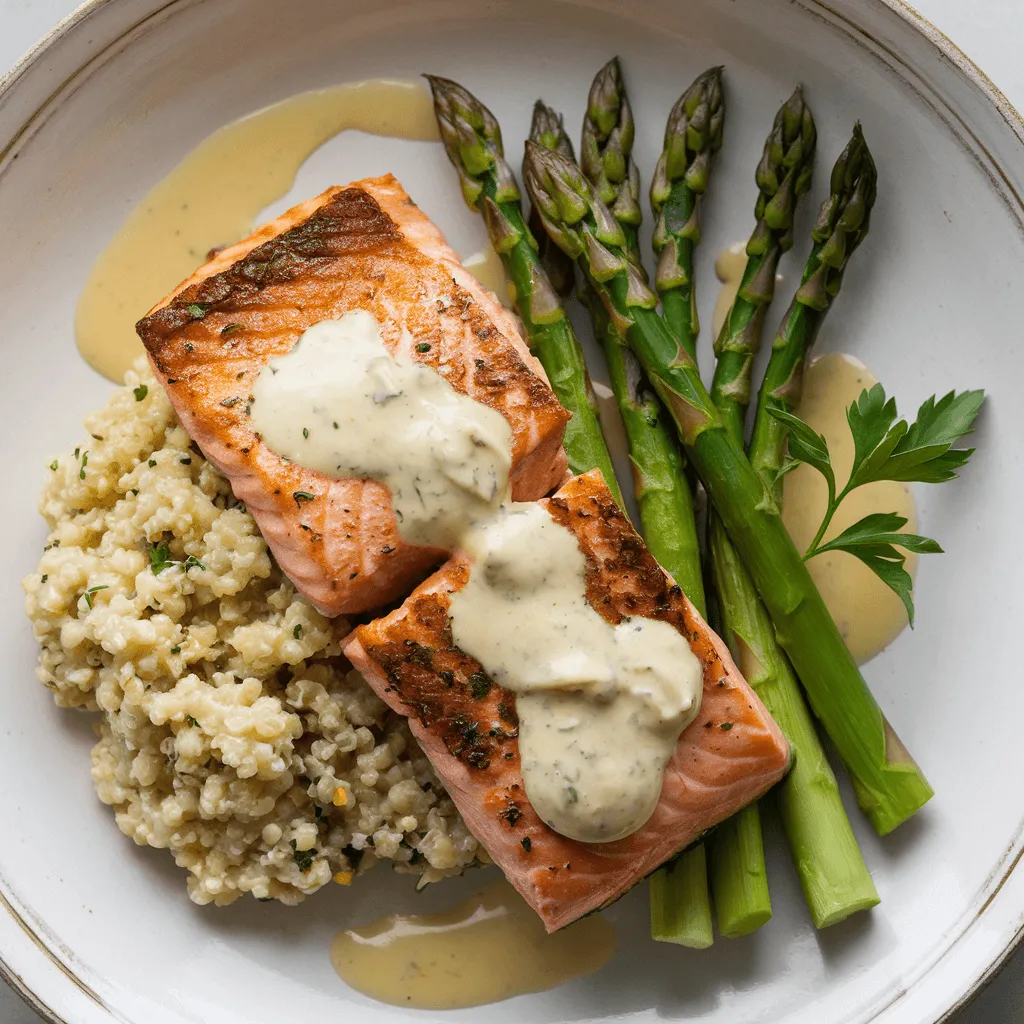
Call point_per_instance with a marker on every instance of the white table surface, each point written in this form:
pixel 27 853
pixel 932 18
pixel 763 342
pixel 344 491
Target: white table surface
pixel 989 31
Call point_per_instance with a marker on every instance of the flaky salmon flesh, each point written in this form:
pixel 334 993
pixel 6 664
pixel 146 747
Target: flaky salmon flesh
pixel 362 246
pixel 729 756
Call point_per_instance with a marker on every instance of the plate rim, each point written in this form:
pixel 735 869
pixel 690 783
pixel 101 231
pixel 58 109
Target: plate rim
pixel 828 10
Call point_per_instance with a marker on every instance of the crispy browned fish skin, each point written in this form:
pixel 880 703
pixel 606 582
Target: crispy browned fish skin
pixel 363 246
pixel 731 754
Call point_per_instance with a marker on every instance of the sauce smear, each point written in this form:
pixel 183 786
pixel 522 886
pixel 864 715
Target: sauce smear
pixel 869 615
pixel 489 947
pixel 212 197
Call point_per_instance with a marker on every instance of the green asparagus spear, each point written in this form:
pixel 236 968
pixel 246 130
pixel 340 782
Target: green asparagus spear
pixel 547 129
pixel 783 176
pixel 693 135
pixel 890 786
pixel 841 226
pixel 680 907
pixel 663 496
pixel 472 139
pixel 829 865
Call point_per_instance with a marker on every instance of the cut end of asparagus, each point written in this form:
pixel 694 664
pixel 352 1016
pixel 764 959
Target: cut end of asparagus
pixel 680 908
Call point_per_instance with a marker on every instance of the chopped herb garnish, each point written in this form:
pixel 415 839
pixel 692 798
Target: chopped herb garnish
pixel 77 452
pixel 304 858
pixel 228 402
pixel 85 462
pixel 573 795
pixel 194 722
pixel 197 310
pixel 92 590
pixel 230 328
pixel 53 465
pixel 423 346
pixel 725 726
pixel 189 347
pixel 140 392
pixel 297 631
pixel 305 432
pixel 193 563
pixel 301 496
pixel 152 462
pixel 160 557
pixel 176 649
pixel 44 577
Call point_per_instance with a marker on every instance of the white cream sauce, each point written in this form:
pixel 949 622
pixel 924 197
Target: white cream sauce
pixel 600 707
pixel 491 946
pixel 340 402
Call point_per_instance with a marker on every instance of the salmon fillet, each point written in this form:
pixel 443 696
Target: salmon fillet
pixel 363 246
pixel 729 756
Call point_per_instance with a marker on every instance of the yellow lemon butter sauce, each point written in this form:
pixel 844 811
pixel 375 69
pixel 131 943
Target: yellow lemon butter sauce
pixel 869 615
pixel 212 197
pixel 489 947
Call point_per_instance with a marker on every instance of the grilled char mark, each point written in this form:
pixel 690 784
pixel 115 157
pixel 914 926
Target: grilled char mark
pixel 352 246
pixel 350 223
pixel 446 689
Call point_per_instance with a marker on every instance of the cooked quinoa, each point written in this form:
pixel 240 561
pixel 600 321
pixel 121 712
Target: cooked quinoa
pixel 232 730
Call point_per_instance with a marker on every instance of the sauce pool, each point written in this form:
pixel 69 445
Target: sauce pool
pixel 212 197
pixel 491 946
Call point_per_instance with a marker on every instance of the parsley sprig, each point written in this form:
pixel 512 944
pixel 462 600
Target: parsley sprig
pixel 886 448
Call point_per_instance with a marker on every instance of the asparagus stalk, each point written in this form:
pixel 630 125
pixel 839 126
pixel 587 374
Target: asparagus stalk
pixel 890 785
pixel 783 176
pixel 680 903
pixel 680 906
pixel 737 870
pixel 693 134
pixel 472 140
pixel 663 496
pixel 828 862
pixel 841 226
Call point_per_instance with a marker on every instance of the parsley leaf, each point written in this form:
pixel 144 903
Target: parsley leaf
pixel 923 451
pixel 874 540
pixel 160 557
pixel 197 310
pixel 886 448
pixel 140 392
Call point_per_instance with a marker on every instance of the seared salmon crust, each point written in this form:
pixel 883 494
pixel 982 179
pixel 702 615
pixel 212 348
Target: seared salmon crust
pixel 364 246
pixel 728 757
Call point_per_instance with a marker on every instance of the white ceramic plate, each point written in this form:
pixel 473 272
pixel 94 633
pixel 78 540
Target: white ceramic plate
pixel 92 929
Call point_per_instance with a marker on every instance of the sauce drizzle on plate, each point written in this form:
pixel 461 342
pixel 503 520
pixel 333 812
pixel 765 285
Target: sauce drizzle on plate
pixel 212 197
pixel 491 946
